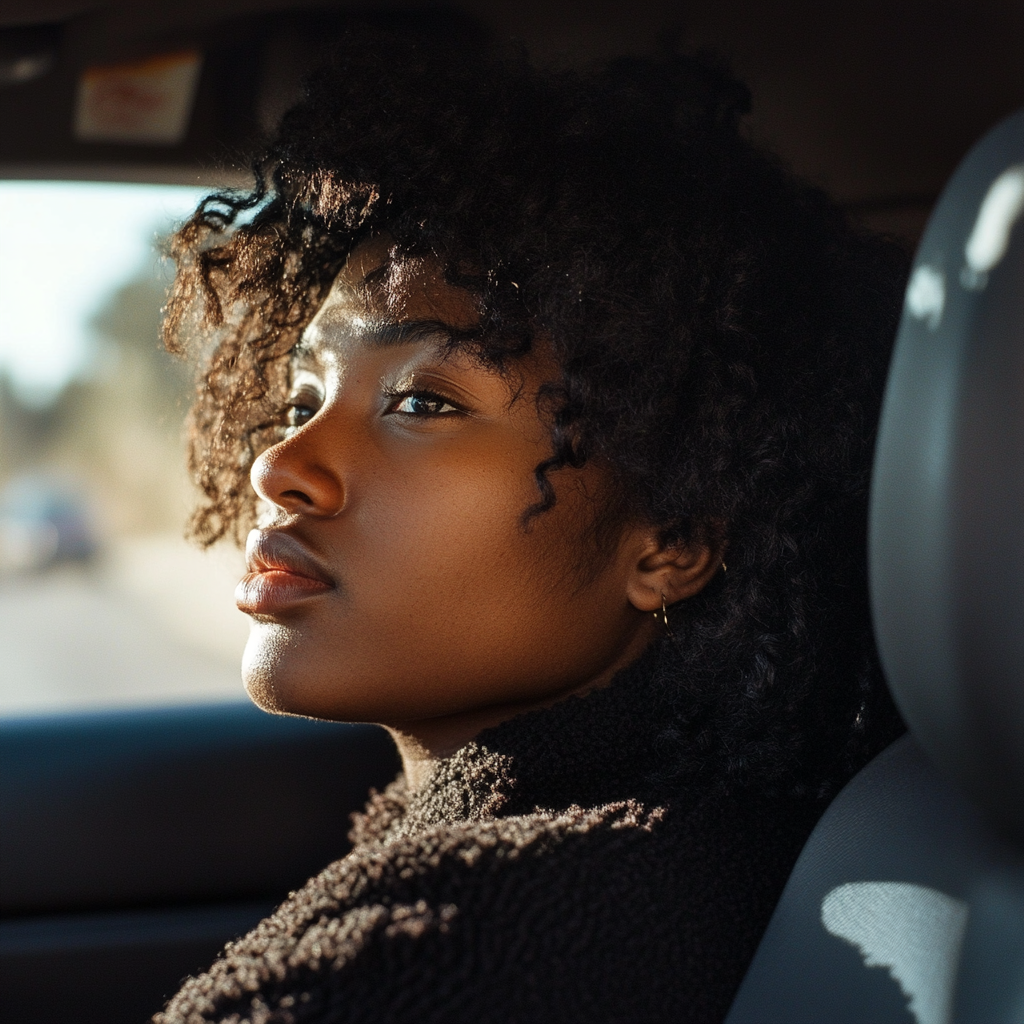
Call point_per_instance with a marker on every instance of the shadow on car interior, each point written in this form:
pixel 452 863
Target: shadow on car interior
pixel 135 843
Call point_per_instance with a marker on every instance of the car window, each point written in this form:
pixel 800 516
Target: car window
pixel 102 602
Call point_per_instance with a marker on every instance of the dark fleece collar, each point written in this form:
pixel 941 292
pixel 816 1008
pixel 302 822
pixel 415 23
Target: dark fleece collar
pixel 561 867
pixel 596 749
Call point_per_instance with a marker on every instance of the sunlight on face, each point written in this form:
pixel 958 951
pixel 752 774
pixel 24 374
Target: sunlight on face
pixel 393 579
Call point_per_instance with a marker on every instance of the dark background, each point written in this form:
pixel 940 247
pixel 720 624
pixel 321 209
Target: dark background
pixel 877 101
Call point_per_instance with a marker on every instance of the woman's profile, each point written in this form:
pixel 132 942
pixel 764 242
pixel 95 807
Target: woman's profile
pixel 557 398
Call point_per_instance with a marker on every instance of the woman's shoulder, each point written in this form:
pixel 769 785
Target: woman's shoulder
pixel 472 904
pixel 615 911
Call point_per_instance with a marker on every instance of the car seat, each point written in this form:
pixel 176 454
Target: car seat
pixel 907 903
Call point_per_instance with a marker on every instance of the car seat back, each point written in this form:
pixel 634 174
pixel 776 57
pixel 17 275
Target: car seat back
pixel 907 903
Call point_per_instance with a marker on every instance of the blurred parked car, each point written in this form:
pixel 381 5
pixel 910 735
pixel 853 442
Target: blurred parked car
pixel 44 521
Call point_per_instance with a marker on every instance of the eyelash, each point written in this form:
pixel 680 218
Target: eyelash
pixel 299 404
pixel 397 398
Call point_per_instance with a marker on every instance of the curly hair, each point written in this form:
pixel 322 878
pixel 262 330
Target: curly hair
pixel 723 334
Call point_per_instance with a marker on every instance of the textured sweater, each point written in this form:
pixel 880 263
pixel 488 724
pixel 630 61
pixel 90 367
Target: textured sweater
pixel 551 870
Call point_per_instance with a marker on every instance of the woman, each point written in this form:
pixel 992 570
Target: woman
pixel 559 397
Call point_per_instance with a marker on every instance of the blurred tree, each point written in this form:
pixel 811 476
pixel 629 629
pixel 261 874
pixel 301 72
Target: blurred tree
pixel 118 427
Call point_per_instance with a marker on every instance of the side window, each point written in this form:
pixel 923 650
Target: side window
pixel 102 603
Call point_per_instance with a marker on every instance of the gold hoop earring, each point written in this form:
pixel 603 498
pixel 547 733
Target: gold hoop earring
pixel 663 615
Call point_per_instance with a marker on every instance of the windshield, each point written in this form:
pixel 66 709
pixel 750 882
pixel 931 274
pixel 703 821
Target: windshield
pixel 102 603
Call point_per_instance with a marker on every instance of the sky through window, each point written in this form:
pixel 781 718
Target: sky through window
pixel 64 247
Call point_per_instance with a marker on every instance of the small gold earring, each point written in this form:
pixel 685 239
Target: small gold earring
pixel 723 567
pixel 664 612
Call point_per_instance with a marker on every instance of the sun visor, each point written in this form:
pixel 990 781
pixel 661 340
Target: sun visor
pixel 146 102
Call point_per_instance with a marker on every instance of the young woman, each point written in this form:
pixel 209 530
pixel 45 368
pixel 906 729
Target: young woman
pixel 558 398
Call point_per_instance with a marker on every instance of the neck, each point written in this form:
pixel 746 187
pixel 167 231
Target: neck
pixel 424 742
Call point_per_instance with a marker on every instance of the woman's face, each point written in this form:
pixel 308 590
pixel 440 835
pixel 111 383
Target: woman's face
pixel 392 579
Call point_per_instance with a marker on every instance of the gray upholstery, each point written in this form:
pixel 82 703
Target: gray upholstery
pixel 907 903
pixel 889 878
pixel 947 516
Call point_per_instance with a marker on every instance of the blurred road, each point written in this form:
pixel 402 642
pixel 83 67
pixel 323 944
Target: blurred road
pixel 152 622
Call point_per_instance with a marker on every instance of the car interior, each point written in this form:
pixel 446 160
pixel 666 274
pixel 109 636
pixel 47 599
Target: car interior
pixel 916 867
pixel 139 834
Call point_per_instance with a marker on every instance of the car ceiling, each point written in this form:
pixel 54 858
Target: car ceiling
pixel 877 101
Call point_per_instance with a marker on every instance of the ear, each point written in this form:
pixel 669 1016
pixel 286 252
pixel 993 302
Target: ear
pixel 672 573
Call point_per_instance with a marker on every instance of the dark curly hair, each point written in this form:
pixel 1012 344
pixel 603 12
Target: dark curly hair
pixel 723 334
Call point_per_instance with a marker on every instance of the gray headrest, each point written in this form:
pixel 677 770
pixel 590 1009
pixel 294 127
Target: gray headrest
pixel 947 503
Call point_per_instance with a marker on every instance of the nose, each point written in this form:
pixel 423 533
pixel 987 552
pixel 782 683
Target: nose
pixel 295 476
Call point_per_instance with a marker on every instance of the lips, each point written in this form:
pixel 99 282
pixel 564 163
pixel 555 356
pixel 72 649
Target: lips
pixel 282 574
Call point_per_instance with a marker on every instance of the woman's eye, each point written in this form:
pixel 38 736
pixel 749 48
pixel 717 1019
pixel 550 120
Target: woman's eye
pixel 300 408
pixel 423 403
pixel 299 414
pixel 305 397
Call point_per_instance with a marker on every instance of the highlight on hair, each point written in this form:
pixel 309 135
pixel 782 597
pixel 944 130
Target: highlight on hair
pixel 723 334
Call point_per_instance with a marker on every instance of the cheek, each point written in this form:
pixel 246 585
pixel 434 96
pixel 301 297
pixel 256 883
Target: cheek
pixel 435 580
pixel 455 548
pixel 488 611
pixel 447 603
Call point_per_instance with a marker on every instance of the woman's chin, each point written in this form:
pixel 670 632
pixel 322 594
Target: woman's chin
pixel 274 694
pixel 281 674
pixel 265 669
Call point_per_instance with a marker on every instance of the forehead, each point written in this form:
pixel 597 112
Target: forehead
pixel 392 299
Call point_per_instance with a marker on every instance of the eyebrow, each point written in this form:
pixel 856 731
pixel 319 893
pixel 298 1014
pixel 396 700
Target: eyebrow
pixel 385 333
pixel 380 333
